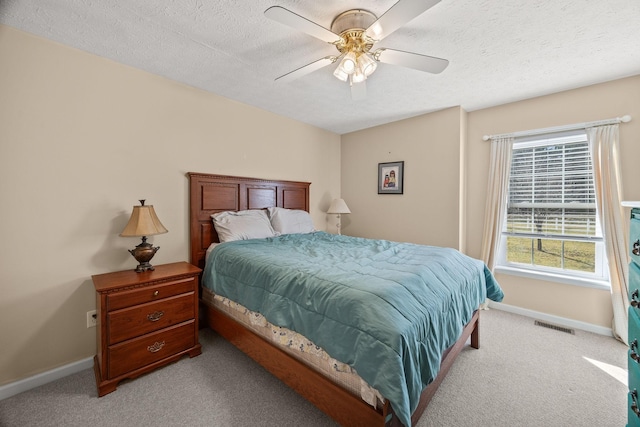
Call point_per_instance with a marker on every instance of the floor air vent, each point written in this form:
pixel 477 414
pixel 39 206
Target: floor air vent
pixel 555 327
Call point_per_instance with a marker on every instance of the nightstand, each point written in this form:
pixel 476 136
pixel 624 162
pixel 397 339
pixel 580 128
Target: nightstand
pixel 145 321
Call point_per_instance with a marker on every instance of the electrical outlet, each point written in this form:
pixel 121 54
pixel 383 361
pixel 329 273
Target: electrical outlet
pixel 92 319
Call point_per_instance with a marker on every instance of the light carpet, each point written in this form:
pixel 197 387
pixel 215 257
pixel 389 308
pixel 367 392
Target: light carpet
pixel 522 375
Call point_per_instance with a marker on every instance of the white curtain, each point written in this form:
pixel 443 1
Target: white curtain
pixel 498 186
pixel 604 148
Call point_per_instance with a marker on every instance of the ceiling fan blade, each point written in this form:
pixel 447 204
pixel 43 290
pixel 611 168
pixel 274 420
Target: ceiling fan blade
pixel 359 91
pixel 399 14
pixel 306 69
pixel 293 20
pixel 430 64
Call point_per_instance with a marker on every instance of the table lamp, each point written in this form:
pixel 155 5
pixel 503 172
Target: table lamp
pixel 338 206
pixel 143 222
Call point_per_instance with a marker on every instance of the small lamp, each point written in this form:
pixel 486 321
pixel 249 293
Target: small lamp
pixel 338 206
pixel 143 222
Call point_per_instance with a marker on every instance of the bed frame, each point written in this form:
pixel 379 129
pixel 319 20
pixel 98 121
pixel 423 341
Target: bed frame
pixel 216 193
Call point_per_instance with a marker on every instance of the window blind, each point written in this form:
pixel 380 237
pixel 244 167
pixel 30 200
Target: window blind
pixel 551 190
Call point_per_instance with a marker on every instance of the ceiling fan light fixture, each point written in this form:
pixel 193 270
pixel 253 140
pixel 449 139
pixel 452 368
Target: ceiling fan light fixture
pixel 358 76
pixel 354 34
pixel 340 74
pixel 348 63
pixel 366 64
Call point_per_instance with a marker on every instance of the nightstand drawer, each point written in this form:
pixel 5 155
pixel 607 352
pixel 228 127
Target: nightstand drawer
pixel 634 369
pixel 634 237
pixel 633 403
pixel 633 362
pixel 633 325
pixel 142 319
pixel 634 286
pixel 139 352
pixel 150 293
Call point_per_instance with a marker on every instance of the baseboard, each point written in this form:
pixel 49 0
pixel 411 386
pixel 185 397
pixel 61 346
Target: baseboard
pixel 557 320
pixel 20 386
pixel 17 387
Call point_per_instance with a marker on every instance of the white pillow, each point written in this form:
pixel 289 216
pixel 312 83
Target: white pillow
pixel 289 221
pixel 242 225
pixel 209 250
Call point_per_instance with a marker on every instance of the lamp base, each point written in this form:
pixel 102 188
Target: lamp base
pixel 145 266
pixel 143 254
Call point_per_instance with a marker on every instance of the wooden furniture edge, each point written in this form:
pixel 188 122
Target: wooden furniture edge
pixel 327 396
pixel 233 178
pixel 471 329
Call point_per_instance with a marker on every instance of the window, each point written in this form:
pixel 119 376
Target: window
pixel 551 224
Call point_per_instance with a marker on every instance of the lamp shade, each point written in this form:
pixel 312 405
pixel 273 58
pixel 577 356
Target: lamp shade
pixel 143 222
pixel 338 206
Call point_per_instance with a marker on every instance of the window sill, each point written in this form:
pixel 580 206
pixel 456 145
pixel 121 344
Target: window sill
pixel 553 277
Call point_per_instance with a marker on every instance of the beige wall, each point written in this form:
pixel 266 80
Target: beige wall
pixel 427 212
pixel 437 207
pixel 81 140
pixel 597 102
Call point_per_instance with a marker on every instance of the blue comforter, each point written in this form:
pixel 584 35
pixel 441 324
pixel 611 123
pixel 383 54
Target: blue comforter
pixel 387 309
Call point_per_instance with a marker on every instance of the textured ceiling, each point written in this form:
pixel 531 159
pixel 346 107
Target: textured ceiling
pixel 499 50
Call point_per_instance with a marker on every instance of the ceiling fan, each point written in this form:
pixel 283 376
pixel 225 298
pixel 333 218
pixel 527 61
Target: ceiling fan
pixel 354 32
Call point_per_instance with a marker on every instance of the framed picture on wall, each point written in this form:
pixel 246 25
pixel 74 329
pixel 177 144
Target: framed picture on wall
pixel 391 178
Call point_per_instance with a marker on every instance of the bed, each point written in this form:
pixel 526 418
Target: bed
pixel 212 194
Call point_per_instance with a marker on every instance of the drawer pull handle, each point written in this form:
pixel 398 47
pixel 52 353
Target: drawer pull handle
pixel 157 346
pixel 634 351
pixel 634 299
pixel 634 406
pixel 156 293
pixel 636 247
pixel 155 316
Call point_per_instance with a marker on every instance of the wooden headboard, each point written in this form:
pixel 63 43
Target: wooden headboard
pixel 209 194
